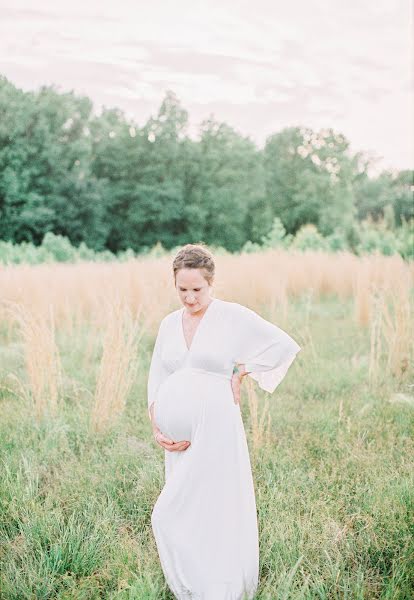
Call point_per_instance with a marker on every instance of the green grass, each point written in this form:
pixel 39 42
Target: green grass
pixel 335 488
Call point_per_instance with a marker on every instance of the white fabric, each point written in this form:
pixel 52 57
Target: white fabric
pixel 204 521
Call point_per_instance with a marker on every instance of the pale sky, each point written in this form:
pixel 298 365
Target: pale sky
pixel 259 66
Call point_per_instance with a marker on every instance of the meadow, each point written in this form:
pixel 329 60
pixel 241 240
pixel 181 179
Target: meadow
pixel 332 450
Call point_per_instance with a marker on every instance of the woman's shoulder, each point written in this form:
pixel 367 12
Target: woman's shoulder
pixel 240 313
pixel 227 303
pixel 170 316
pixel 231 307
pixel 231 304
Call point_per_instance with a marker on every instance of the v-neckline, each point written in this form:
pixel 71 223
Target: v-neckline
pixel 197 328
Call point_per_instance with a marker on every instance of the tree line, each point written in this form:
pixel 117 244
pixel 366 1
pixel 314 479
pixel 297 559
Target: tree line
pixel 113 185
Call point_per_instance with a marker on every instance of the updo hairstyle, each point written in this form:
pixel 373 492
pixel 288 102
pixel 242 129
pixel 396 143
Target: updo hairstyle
pixel 195 256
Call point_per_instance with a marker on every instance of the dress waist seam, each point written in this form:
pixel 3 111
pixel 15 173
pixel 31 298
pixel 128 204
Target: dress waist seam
pixel 221 375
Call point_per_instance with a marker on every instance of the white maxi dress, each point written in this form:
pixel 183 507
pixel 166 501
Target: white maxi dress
pixel 204 520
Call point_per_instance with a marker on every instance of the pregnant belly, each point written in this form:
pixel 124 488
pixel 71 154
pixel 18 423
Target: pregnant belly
pixel 179 406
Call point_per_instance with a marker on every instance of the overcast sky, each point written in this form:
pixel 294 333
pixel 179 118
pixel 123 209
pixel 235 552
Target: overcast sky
pixel 259 66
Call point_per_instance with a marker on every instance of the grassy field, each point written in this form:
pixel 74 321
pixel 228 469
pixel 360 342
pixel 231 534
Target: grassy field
pixel 332 449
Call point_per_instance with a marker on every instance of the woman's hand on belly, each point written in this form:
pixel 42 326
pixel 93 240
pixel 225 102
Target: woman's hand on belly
pixel 163 440
pixel 167 443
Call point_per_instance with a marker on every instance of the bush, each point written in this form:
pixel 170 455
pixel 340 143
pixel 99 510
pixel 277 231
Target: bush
pixel 337 241
pixel 405 239
pixel 59 247
pixel 375 237
pixel 251 247
pixel 309 238
pixel 363 238
pixel 276 238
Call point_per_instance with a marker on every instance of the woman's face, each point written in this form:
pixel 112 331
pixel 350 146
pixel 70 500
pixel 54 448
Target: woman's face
pixel 193 290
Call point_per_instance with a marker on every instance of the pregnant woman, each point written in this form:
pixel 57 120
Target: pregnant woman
pixel 204 521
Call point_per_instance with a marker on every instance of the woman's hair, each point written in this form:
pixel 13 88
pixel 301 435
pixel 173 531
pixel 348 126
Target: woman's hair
pixel 195 256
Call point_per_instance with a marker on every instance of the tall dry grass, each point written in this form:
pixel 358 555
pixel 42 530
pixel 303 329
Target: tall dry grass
pixel 259 419
pixel 376 348
pixel 78 292
pixel 376 272
pixel 118 365
pixel 42 360
pixel 391 330
pixel 275 277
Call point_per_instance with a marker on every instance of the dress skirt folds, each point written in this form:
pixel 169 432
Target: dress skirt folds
pixel 204 520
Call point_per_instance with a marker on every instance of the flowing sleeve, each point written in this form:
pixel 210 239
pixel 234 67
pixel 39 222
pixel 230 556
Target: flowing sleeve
pixel 266 350
pixel 157 371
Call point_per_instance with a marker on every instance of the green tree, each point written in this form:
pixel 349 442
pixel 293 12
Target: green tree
pixel 231 185
pixel 309 178
pixel 45 179
pixel 143 175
